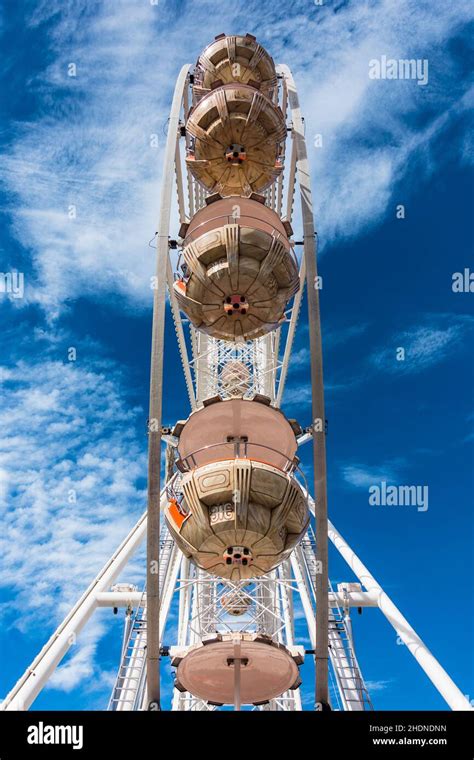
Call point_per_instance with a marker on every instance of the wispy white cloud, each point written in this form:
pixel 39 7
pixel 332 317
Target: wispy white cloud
pixel 71 470
pixel 378 685
pixel 373 132
pixel 84 178
pixel 300 358
pixel 333 337
pixel 81 666
pixel 364 476
pixel 423 345
pixel 428 343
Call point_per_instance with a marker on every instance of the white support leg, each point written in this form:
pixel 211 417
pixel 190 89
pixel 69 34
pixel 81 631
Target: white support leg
pixel 435 672
pixel 35 677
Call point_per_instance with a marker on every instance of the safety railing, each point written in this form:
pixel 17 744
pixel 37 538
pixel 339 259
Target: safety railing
pixel 241 449
pixel 241 220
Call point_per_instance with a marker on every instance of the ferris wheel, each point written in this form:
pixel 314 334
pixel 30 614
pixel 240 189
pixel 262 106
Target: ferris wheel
pixel 237 538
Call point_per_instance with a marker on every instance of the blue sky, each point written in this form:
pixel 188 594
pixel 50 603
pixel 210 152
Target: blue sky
pixel 84 141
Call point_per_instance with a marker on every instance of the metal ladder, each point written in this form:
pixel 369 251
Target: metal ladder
pixel 352 688
pixel 129 687
pixel 125 694
pixel 344 661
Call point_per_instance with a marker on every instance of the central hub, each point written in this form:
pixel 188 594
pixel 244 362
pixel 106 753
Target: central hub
pixel 235 154
pixel 238 555
pixel 236 304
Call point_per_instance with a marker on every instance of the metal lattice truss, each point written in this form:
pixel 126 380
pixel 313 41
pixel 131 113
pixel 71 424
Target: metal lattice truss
pixel 235 369
pixel 266 604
